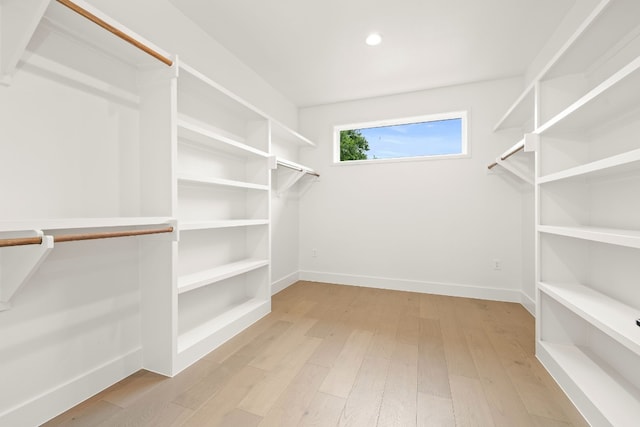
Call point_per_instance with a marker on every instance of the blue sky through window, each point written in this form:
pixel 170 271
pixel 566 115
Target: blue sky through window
pixel 431 138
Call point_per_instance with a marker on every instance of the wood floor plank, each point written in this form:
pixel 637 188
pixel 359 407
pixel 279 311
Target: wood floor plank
pixel 457 353
pixel 507 409
pixel 342 375
pixel 136 388
pixel 160 399
pixel 266 393
pixel 469 402
pixel 383 342
pixel 292 404
pixel 273 354
pixel 398 408
pixel 331 346
pixel 85 415
pixel 459 360
pixel 540 401
pixel 296 310
pixel 428 307
pixel 323 411
pixel 408 329
pixel 209 385
pixel 240 418
pixel 362 407
pixel 240 340
pixel 433 375
pixel 434 411
pixel 214 410
pixel 548 422
pixel 156 414
pixel 321 328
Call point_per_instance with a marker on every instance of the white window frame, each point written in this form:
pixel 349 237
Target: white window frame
pixel 463 115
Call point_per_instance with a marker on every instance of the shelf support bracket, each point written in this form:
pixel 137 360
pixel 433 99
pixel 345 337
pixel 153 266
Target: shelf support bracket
pixel 293 179
pixel 18 264
pixel 514 171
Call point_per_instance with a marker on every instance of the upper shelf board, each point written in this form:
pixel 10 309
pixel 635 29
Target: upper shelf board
pixel 191 130
pixel 281 133
pixel 520 113
pixel 618 164
pixel 192 81
pixel 615 97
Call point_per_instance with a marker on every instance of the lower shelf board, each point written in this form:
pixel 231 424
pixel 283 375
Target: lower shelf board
pixel 612 236
pixel 204 278
pixel 202 332
pixel 613 317
pixel 207 225
pixel 616 400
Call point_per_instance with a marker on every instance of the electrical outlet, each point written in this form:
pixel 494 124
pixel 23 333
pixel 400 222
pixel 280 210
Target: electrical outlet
pixel 314 253
pixel 497 264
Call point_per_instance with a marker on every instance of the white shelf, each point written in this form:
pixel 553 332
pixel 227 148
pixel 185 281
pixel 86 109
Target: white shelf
pixel 613 98
pixel 206 225
pixel 185 179
pixel 192 81
pixel 602 35
pixel 204 278
pixel 617 400
pixel 613 236
pixel 520 112
pixel 201 332
pixel 190 130
pixel 620 163
pixel 18 22
pixel 281 133
pixel 80 223
pixel 612 317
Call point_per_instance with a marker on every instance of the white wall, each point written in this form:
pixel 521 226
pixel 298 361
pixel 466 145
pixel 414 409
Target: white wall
pixel 285 237
pixel 432 226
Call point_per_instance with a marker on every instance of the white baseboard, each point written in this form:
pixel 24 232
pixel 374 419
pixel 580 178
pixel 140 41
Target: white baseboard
pixel 528 303
pixel 284 282
pixel 449 289
pixel 55 401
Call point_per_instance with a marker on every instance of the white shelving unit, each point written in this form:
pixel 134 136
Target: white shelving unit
pixel 583 112
pixel 223 184
pixel 157 143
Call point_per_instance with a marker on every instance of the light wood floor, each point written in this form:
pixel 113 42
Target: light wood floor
pixel 333 355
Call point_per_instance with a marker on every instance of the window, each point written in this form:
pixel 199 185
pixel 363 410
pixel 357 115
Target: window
pixel 434 136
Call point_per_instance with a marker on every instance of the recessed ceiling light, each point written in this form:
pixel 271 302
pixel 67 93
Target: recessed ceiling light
pixel 374 39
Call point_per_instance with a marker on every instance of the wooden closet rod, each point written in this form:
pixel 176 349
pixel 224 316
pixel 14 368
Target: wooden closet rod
pixel 91 17
pixel 506 156
pixel 87 236
pixel 512 152
pixel 299 169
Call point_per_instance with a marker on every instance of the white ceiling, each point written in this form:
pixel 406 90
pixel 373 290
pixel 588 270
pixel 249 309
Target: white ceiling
pixel 314 53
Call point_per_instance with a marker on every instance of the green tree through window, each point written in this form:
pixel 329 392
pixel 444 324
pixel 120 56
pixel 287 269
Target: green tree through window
pixel 353 146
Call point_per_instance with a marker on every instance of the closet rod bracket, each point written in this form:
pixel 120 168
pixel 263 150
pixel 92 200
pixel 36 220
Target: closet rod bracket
pixel 19 263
